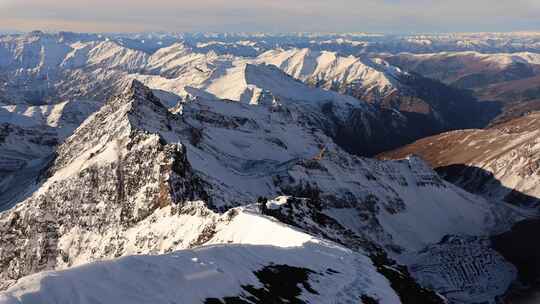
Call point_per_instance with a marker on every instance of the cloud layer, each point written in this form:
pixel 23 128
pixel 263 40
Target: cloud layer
pixel 275 15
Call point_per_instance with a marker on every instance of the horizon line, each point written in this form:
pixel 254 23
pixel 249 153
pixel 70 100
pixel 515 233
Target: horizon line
pixel 525 31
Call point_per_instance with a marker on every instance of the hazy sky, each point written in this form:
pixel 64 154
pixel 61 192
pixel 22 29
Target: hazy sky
pixel 398 16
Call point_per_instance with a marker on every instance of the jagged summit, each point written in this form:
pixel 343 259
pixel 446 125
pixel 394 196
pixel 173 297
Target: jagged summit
pixel 135 111
pixel 135 87
pixel 137 91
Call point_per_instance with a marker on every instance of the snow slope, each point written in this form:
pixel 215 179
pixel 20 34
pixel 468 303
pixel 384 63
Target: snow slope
pixel 65 116
pixel 28 137
pixel 335 274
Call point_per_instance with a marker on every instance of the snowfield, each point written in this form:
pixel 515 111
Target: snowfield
pixel 248 244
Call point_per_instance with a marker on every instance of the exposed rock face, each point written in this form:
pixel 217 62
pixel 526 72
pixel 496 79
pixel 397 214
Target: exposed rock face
pixel 108 176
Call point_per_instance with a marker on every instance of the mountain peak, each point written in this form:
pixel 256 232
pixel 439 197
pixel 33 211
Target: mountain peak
pixel 136 88
pixel 137 91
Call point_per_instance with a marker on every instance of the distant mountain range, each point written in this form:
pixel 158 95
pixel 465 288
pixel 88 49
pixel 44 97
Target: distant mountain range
pixel 404 107
pixel 510 79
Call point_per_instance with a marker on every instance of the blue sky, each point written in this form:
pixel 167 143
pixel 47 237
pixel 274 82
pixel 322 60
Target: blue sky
pixel 394 16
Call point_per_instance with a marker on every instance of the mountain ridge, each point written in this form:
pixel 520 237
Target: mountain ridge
pixel 136 178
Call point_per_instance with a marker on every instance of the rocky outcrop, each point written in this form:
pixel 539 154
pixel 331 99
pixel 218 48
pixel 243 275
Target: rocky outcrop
pixel 111 174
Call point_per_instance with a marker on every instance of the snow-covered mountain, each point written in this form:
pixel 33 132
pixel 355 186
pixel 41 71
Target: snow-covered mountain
pixel 44 68
pixel 429 107
pixel 269 263
pixel 367 79
pixel 40 68
pixel 509 79
pixel 500 162
pixel 201 160
pixel 346 119
pixel 136 178
pixel 28 137
pixel 405 107
pixel 248 44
